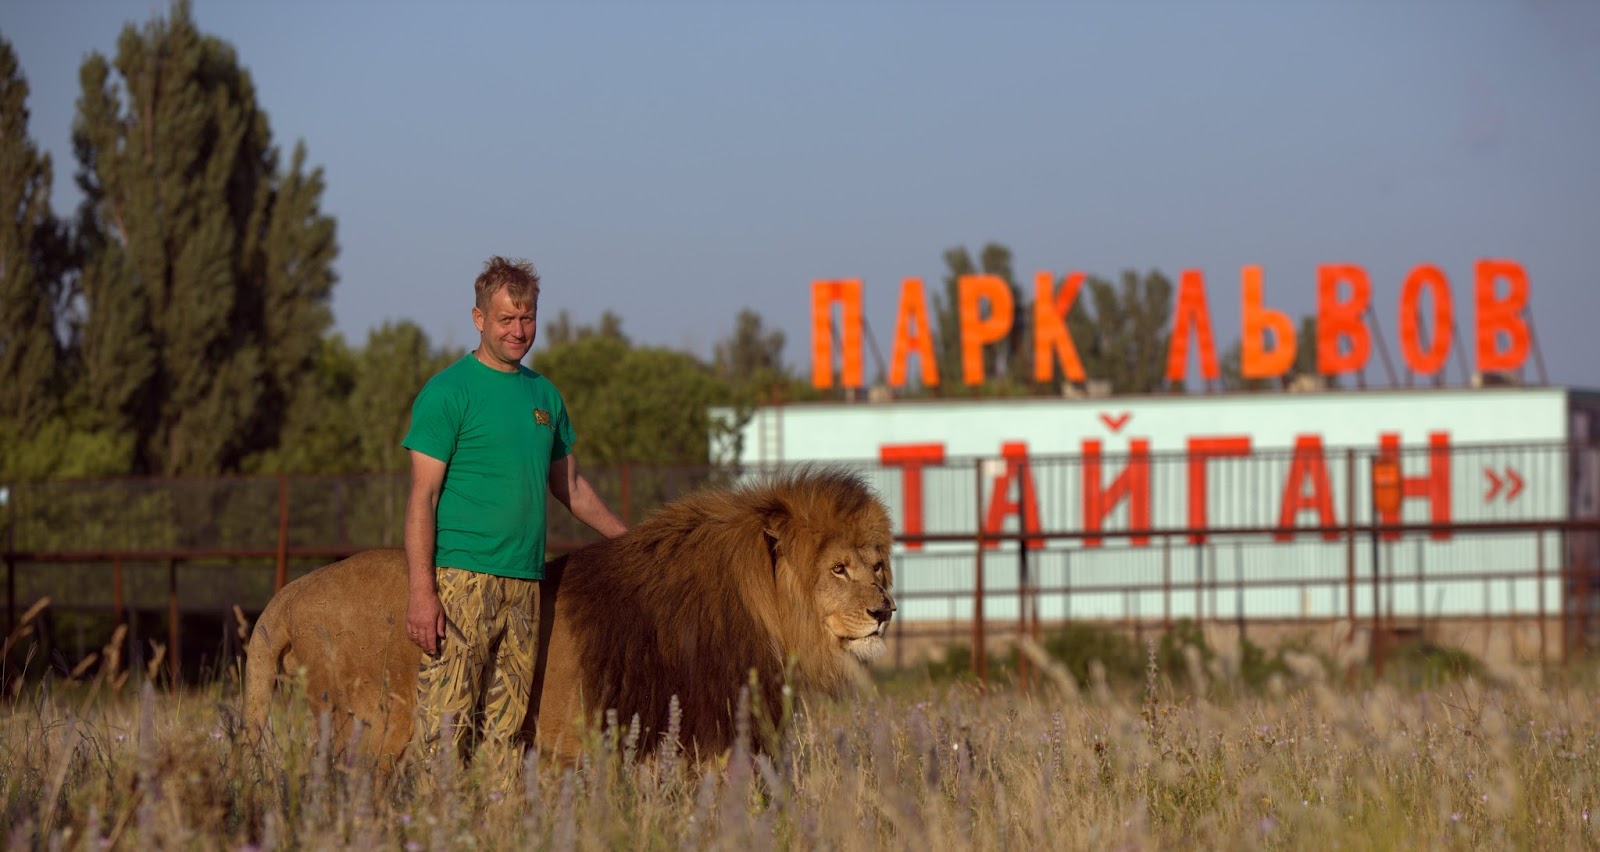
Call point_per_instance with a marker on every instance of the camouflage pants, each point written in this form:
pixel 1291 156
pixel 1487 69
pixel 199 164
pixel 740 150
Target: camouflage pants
pixel 482 676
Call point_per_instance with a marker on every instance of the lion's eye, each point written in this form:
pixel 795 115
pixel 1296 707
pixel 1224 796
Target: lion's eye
pixel 841 569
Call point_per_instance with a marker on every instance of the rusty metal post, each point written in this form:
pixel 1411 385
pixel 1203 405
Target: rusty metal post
pixel 172 621
pixel 1350 539
pixel 11 594
pixel 1564 572
pixel 1166 583
pixel 1378 607
pixel 1024 665
pixel 1422 597
pixel 1539 596
pixel 343 535
pixel 11 563
pixel 1216 582
pixel 116 590
pixel 1238 590
pixel 281 572
pixel 980 658
pixel 1376 643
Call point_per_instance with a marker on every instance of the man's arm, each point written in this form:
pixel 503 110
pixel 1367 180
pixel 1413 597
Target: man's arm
pixel 424 614
pixel 574 492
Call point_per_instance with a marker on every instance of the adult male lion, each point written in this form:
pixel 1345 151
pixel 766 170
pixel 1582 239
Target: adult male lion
pixel 706 589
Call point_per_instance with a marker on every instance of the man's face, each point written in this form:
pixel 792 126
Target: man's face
pixel 505 331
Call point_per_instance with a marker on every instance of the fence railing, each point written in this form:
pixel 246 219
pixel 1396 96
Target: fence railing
pixel 983 544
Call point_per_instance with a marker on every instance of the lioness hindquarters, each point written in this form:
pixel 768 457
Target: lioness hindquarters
pixel 341 624
pixel 263 655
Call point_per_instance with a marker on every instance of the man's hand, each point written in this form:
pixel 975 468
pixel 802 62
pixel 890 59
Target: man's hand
pixel 425 620
pixel 424 613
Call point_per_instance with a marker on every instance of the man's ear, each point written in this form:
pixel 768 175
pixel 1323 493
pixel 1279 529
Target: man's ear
pixel 477 318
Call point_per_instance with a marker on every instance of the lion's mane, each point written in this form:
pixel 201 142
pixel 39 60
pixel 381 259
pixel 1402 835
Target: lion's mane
pixel 707 589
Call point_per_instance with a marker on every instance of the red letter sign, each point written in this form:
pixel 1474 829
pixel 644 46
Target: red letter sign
pixel 911 458
pixel 1501 315
pixel 823 296
pixel 1132 484
pixel 1338 320
pixel 1051 338
pixel 913 311
pixel 1430 278
pixel 1001 502
pixel 1191 311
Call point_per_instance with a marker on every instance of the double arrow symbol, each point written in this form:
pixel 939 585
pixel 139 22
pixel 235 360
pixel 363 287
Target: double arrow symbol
pixel 1496 483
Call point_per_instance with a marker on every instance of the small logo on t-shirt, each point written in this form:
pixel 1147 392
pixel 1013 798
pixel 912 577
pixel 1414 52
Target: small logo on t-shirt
pixel 541 417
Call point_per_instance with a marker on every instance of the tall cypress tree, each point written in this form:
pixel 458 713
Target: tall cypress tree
pixel 296 281
pixel 30 267
pixel 208 272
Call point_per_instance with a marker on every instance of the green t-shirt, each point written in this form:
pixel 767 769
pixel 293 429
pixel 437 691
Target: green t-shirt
pixel 497 433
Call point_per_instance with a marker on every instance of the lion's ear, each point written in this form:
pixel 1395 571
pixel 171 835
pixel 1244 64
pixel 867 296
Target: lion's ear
pixel 775 525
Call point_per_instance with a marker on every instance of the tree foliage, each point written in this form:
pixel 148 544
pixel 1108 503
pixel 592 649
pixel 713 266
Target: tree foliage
pixel 1124 339
pixel 633 404
pixel 752 357
pixel 208 268
pixel 397 361
pixel 33 258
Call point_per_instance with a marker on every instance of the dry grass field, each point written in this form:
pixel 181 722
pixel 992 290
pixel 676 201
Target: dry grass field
pixel 1188 758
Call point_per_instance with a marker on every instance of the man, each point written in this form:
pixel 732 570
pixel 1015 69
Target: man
pixel 488 438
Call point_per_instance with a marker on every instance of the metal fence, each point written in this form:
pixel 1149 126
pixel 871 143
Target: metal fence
pixel 1502 532
pixel 984 544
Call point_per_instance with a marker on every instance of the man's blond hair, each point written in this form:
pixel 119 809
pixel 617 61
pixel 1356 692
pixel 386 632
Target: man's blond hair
pixel 517 277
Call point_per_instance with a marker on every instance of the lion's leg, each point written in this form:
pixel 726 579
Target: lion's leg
pixel 559 724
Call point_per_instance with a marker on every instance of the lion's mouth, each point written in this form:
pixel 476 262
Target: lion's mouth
pixel 866 648
pixel 869 644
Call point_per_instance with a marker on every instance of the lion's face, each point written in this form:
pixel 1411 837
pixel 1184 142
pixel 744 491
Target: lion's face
pixel 852 593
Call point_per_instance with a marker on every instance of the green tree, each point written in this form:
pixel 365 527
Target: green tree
pixel 208 271
pixel 559 331
pixel 296 283
pixel 633 404
pixel 32 260
pixel 1231 369
pixel 321 432
pixel 396 362
pixel 1124 340
pixel 752 356
pixel 1305 354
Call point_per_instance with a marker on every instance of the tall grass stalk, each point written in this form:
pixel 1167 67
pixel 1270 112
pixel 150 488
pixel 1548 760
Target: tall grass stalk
pixel 1183 759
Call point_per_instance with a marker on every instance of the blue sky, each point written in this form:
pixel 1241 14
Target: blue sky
pixel 677 161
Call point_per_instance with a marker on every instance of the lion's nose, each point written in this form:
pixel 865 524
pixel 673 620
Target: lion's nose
pixel 883 612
